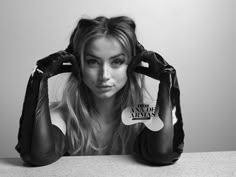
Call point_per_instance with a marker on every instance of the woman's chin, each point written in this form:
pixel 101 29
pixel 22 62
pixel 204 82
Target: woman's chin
pixel 105 96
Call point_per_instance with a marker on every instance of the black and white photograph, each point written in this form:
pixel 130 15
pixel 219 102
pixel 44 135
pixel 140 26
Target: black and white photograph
pixel 118 88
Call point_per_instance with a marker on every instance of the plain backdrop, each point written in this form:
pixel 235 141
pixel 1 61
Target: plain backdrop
pixel 197 37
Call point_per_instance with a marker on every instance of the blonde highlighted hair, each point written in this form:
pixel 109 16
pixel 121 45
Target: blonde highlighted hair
pixel 77 107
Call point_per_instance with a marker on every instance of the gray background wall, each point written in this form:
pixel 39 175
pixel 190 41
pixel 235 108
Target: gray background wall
pixel 196 36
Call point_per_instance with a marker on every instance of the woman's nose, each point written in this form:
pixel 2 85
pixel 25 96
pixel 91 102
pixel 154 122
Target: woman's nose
pixel 104 72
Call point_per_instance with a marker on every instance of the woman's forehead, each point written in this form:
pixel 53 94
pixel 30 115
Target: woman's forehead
pixel 104 46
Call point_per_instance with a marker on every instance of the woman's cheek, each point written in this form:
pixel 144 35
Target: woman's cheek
pixel 121 74
pixel 90 75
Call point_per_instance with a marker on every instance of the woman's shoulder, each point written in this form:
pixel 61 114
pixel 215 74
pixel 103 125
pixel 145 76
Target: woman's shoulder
pixel 58 119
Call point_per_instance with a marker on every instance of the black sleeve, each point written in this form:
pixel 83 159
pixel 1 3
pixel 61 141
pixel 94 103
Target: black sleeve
pixel 163 147
pixel 39 142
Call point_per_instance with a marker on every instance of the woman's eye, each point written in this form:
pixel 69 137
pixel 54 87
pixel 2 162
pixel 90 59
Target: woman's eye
pixel 117 62
pixel 92 62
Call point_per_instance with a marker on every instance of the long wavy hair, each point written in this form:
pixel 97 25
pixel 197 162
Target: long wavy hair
pixel 77 106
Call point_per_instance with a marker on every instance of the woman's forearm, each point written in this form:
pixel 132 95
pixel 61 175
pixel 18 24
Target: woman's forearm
pixel 161 142
pixel 39 142
pixel 47 140
pixel 165 146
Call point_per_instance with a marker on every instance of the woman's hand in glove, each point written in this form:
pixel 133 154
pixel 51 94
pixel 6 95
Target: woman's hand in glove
pixel 57 63
pixel 157 65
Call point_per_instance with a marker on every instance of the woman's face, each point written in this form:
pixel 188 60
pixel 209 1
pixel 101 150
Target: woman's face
pixel 105 66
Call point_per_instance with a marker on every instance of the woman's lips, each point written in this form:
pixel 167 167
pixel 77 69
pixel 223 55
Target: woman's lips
pixel 104 87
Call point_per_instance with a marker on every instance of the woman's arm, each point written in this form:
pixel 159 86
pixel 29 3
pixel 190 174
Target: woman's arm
pixel 165 146
pixel 39 141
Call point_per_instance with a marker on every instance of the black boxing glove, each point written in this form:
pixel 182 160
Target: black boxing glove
pixel 40 142
pixel 165 146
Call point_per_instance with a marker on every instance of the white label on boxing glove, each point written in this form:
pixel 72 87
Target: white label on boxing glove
pixel 143 113
pixel 35 69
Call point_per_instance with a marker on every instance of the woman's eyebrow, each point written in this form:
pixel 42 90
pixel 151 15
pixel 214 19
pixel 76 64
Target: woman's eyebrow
pixel 118 55
pixel 91 55
pixel 112 57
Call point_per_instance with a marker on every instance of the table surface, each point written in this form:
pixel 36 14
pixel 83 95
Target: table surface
pixel 198 164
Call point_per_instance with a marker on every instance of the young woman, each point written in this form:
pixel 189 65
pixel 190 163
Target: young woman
pixel 104 58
